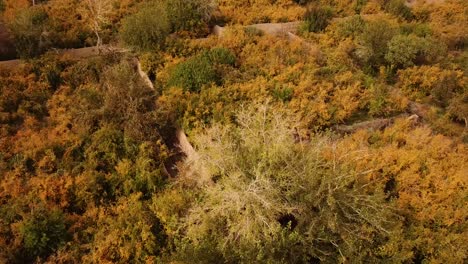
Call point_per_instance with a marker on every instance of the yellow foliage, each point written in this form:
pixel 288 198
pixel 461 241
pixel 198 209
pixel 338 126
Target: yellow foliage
pixel 260 11
pixel 430 186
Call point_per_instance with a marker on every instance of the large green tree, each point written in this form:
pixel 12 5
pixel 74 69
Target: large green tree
pixel 269 197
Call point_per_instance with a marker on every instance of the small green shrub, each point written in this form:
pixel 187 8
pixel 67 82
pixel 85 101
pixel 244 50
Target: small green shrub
pixel 192 74
pixel 408 50
pixel 399 8
pixel 42 233
pixel 253 32
pixel 147 29
pixel 374 42
pixel 106 149
pixel 189 15
pixel 351 27
pixel 359 4
pixel 317 18
pixel 418 29
pixel 283 93
pixel 203 69
pixel 221 56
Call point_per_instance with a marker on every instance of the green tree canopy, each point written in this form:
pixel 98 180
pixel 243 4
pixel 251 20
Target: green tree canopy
pixel 273 199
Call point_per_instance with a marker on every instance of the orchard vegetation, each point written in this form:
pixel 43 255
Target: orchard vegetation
pixel 345 142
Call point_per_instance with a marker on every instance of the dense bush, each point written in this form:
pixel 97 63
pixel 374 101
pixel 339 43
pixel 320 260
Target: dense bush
pixel 128 233
pixel 193 74
pixel 201 69
pixel 147 29
pixel 350 27
pixel 42 233
pixel 29 32
pixel 374 42
pixel 398 8
pixel 403 50
pixel 317 18
pixel 90 165
pixel 432 82
pixel 189 15
pixel 266 198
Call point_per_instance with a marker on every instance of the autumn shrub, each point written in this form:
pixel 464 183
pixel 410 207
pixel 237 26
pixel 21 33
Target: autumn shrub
pixel 260 11
pixel 283 94
pixel 448 22
pixel 302 2
pixel 267 197
pixel 385 101
pixel 411 158
pixel 458 108
pixel 70 22
pixel 120 99
pixel 432 83
pixel 128 101
pixel 106 148
pixel 317 18
pixel 128 232
pixel 147 29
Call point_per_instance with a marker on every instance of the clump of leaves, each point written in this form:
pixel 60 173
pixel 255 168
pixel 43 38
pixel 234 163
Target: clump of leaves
pixel 42 233
pixel 202 69
pixel 317 18
pixel 147 29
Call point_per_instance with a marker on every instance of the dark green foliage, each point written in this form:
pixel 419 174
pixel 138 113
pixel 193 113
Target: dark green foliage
pixel 106 149
pixel 403 51
pixel 42 233
pixel 29 32
pixel 420 30
pixel 374 42
pixel 189 15
pixel 317 18
pixel 220 56
pixel 351 26
pixel 200 70
pixel 283 93
pixel 399 8
pixel 147 29
pixel 193 74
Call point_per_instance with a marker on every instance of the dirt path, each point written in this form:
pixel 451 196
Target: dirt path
pixel 276 29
